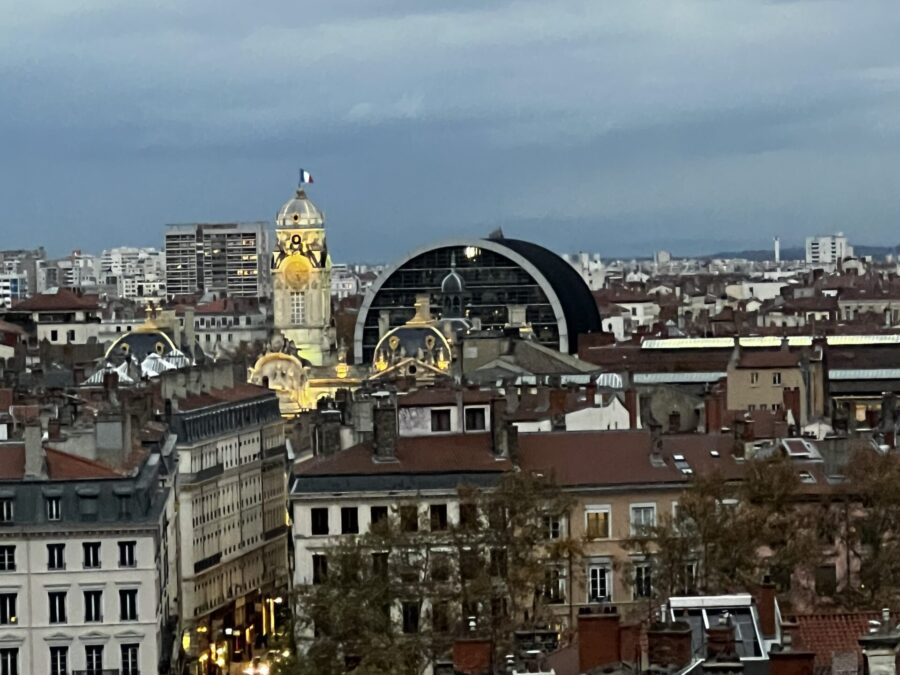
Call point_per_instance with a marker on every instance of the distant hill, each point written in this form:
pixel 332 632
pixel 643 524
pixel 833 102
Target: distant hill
pixel 797 253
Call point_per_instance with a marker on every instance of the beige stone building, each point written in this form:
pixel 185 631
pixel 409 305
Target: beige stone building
pixel 786 379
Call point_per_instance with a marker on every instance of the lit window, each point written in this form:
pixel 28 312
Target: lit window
pixel 597 522
pixel 298 307
pixel 8 609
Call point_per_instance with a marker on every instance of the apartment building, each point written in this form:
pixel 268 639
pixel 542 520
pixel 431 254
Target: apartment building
pixel 616 482
pixel 134 273
pixel 827 249
pixel 13 287
pixel 221 258
pixel 231 497
pixel 64 317
pixel 83 569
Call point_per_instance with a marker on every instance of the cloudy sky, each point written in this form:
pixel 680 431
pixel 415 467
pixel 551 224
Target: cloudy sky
pixel 615 126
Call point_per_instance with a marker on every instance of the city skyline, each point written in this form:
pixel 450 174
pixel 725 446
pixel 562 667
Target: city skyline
pixel 615 128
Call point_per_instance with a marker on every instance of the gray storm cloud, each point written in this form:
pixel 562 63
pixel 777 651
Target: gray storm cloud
pixel 616 127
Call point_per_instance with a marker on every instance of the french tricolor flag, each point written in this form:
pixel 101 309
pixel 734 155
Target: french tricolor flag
pixel 305 177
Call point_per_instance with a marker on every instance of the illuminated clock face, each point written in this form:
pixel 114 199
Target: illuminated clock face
pixel 296 271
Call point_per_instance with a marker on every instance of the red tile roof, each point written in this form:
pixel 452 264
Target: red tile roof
pixel 456 453
pixel 65 299
pixel 221 306
pixel 782 358
pixel 829 634
pixel 63 466
pixel 60 465
pixel 594 458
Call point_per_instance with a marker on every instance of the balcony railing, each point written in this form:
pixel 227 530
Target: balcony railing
pixel 104 671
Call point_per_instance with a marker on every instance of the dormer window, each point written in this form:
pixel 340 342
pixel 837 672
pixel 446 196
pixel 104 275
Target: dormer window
pixel 476 419
pixel 440 420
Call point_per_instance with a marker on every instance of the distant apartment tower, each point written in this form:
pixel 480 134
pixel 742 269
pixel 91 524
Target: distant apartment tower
pixel 13 287
pixel 23 261
pixel 221 258
pixel 827 249
pixel 134 273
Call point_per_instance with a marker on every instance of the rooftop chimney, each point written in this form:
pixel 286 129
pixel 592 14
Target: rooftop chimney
pixel 669 645
pixel 385 428
pixel 631 404
pixel 35 458
pixel 881 647
pixel 767 607
pixel 721 656
pixel 720 637
pixel 504 434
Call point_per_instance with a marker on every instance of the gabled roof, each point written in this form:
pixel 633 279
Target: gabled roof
pixel 610 458
pixel 833 635
pixel 64 299
pixel 60 465
pixel 451 453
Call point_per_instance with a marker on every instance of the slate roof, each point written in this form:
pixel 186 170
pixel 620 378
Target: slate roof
pixel 574 295
pixel 213 397
pixel 633 358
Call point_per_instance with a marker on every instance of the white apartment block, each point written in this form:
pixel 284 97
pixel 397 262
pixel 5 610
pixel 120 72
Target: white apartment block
pixel 13 287
pixel 232 505
pixel 136 273
pixel 828 249
pixel 344 281
pixel 82 564
pixel 590 267
pixel 63 317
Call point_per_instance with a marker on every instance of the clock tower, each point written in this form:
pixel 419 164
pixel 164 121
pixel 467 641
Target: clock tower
pixel 301 279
